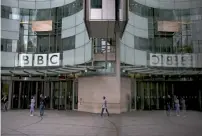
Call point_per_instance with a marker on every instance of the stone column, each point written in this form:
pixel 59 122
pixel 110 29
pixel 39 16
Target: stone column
pixel 157 96
pixel 19 95
pixel 10 94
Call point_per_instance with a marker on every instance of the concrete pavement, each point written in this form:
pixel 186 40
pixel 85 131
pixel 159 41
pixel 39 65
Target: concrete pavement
pixel 72 123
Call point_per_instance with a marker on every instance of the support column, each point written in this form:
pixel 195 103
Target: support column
pixel 10 94
pixel 172 90
pixel 73 93
pixel 36 97
pixel 164 90
pixel 135 93
pixel 19 95
pixel 142 95
pixel 51 96
pixel 66 88
pixel 157 96
pixel 148 95
pixel 60 95
pixel 118 69
pixel 200 100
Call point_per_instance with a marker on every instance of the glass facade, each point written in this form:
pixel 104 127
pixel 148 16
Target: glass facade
pixel 40 42
pixel 96 3
pixel 186 40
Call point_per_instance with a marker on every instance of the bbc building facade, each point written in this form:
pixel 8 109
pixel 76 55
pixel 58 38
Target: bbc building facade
pixel 48 47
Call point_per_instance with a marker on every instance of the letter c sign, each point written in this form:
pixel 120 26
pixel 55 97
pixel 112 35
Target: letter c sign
pixel 54 59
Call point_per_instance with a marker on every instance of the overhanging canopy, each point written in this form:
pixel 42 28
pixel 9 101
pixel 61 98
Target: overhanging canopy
pixel 160 71
pixel 50 72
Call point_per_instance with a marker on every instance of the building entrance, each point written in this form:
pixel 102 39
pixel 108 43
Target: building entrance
pixel 61 95
pixel 150 95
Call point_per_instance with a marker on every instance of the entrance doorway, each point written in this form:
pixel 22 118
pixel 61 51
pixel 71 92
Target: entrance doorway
pixel 150 95
pixel 58 94
pixel 22 93
pixel 62 95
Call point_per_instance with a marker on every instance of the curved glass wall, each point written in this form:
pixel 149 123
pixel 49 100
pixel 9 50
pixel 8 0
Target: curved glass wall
pixel 31 41
pixel 187 39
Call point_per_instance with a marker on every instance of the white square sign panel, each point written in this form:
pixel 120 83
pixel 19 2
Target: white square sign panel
pixel 40 60
pixel 25 60
pixel 54 59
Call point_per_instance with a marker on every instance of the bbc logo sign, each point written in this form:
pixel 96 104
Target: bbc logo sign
pixel 39 60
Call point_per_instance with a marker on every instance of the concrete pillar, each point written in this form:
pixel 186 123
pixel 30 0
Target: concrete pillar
pixel 19 95
pixel 157 95
pixel 51 96
pixel 36 98
pixel 10 94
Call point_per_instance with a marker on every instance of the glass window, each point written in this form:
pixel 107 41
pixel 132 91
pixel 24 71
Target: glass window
pixel 43 43
pixel 8 45
pixel 96 3
pixel 141 43
pixel 68 43
pixel 10 13
pixel 32 44
pixel 43 14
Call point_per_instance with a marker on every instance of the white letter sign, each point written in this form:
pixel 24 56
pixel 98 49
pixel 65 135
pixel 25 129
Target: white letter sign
pixel 54 59
pixel 25 60
pixel 40 60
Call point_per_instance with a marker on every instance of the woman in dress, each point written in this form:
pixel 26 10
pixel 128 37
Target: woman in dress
pixel 32 107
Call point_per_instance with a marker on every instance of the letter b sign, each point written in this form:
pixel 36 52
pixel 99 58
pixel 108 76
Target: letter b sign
pixel 40 59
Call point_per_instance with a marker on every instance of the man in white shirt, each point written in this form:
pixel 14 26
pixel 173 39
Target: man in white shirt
pixel 104 106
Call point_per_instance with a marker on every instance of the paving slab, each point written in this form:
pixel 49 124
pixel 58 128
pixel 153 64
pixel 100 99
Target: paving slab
pixel 72 123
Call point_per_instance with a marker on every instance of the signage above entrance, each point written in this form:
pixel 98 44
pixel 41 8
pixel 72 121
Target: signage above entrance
pixel 172 60
pixel 39 60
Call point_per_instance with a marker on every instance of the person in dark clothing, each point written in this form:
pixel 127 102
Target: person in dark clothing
pixel 168 105
pixel 42 107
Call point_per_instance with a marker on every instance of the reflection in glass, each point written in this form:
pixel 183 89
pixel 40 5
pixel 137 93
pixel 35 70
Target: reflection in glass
pixel 8 45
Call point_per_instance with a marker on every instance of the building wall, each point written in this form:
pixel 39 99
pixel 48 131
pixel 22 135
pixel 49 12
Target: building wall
pixel 141 36
pixel 35 4
pixel 126 88
pixel 92 89
pixel 70 35
pixel 171 4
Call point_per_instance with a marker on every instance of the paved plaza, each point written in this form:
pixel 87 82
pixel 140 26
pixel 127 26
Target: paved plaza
pixel 71 123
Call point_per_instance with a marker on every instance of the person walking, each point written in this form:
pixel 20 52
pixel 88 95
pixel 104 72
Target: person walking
pixel 183 104
pixel 5 102
pixel 104 106
pixel 32 106
pixel 168 105
pixel 42 107
pixel 177 106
